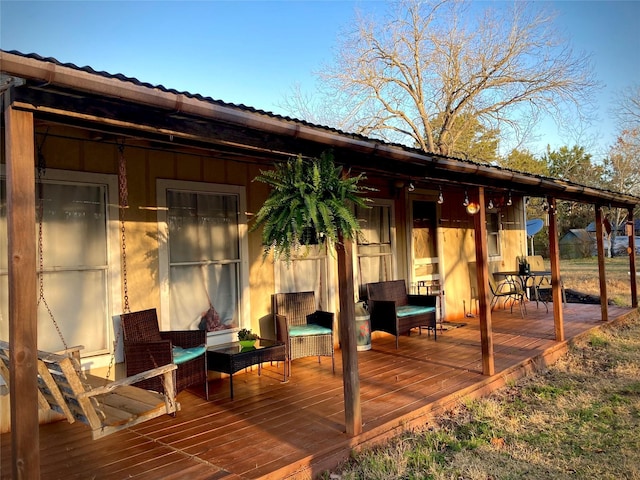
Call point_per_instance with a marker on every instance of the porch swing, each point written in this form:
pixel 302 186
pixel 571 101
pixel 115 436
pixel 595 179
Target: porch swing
pixel 105 406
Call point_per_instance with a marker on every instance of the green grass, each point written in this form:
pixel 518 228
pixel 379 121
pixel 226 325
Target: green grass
pixel 578 420
pixel 582 275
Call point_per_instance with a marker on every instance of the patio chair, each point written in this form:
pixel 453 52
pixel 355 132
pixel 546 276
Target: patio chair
pixel 543 282
pixel 510 291
pixel 305 330
pixel 146 347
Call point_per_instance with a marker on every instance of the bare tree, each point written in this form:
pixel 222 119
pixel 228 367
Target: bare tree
pixel 428 69
pixel 623 171
pixel 627 108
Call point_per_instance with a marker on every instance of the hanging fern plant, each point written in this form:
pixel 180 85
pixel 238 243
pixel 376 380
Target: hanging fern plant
pixel 309 203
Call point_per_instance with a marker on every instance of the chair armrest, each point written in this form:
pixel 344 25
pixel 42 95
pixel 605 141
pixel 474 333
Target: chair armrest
pixel 73 352
pixel 282 328
pixel 422 300
pixel 144 356
pixel 506 287
pixel 155 372
pixel 382 308
pixel 324 319
pixel 185 338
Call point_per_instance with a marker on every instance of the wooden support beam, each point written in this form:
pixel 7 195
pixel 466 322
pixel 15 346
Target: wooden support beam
pixel 348 341
pixel 556 283
pixel 601 266
pixel 23 293
pixel 484 296
pixel 632 259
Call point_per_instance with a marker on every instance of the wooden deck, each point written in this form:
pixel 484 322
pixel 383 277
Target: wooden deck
pixel 275 430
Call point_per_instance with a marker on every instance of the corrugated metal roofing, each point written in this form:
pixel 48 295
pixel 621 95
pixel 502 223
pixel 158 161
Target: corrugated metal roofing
pixel 254 111
pixel 196 96
pixel 135 81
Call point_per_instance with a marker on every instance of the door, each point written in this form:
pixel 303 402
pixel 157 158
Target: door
pixel 425 268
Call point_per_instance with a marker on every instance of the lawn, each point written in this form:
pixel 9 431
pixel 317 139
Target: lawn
pixel 578 420
pixel 582 275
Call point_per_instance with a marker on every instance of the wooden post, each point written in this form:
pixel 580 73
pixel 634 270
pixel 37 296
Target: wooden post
pixel 348 340
pixel 21 208
pixel 556 286
pixel 482 256
pixel 601 267
pixel 632 259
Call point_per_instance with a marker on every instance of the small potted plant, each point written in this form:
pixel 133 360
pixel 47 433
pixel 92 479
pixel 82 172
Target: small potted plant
pixel 247 338
pixel 523 266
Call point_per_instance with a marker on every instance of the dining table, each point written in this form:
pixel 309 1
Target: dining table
pixel 525 279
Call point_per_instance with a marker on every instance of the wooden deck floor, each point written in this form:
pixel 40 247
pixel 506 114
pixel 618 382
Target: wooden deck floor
pixel 275 430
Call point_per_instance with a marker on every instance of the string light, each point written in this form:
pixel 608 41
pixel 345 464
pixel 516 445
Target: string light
pixel 509 201
pixel 440 197
pixel 465 203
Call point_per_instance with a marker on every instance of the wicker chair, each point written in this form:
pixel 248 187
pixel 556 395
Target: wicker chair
pixel 146 347
pixel 304 330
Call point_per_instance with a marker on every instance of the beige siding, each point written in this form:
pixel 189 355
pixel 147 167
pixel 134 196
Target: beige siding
pixel 70 149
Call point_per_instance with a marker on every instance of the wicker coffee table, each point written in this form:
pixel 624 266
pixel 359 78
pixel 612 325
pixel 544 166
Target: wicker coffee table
pixel 232 357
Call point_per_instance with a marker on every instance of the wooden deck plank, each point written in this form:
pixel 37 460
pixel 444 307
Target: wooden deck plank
pixel 273 429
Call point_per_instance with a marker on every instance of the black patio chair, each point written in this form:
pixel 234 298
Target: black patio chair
pixel 510 291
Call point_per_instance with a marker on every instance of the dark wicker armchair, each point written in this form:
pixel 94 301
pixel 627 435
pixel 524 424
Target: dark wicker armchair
pixel 146 347
pixel 304 330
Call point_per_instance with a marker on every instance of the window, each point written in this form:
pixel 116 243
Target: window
pixel 307 271
pixel 374 245
pixel 203 261
pixel 81 280
pixel 493 234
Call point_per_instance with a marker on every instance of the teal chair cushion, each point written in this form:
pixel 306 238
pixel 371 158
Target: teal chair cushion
pixel 182 355
pixel 409 310
pixel 309 329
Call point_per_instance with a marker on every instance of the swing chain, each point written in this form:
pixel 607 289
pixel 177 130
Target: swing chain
pixel 41 170
pixel 124 195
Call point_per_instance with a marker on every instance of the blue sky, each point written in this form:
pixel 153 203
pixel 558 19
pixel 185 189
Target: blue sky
pixel 253 52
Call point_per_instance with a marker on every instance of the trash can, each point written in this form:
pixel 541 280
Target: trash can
pixel 363 327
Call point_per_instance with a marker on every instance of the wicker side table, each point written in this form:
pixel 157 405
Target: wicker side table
pixel 231 357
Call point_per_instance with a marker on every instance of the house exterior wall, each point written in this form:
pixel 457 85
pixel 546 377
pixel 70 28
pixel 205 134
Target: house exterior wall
pixel 73 149
pixel 457 237
pixel 70 149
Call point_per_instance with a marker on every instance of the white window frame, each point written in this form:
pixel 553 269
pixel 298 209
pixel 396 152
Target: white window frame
pixel 244 306
pixel 498 234
pixel 433 277
pixel 393 244
pixel 113 267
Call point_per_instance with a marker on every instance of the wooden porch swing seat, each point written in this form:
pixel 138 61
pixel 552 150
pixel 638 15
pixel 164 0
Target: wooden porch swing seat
pixel 146 347
pixel 305 330
pixel 106 407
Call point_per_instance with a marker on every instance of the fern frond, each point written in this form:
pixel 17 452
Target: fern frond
pixel 310 201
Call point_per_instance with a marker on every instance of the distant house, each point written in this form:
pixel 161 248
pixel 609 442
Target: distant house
pixel 577 243
pixel 620 240
pixel 591 228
